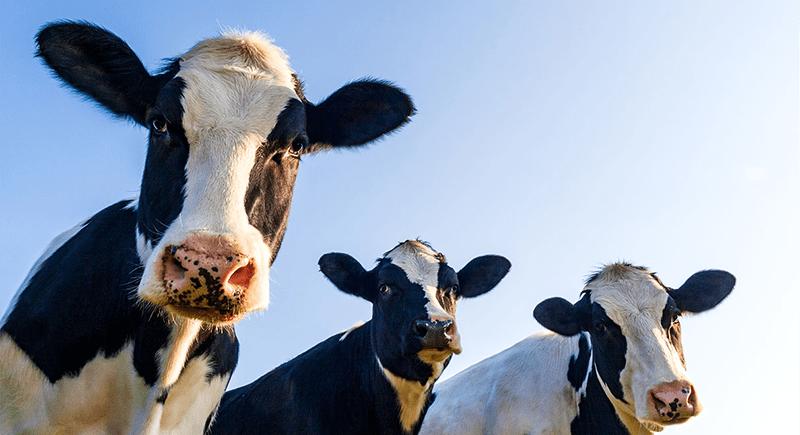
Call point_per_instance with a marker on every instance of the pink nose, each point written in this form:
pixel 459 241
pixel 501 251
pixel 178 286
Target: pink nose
pixel 673 402
pixel 207 272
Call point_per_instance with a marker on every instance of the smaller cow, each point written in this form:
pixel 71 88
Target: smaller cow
pixel 615 364
pixel 375 378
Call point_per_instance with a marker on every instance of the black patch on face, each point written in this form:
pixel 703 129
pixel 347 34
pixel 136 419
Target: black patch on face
pixel 447 289
pixel 398 305
pixel 164 178
pixel 670 321
pixel 609 347
pixel 579 364
pixel 269 192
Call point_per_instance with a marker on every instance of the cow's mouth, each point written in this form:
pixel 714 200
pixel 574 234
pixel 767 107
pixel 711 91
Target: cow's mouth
pixel 435 355
pixel 207 315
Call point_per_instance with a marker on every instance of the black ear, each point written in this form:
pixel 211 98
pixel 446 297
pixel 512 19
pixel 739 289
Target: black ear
pixel 481 275
pixel 560 316
pixel 347 274
pixel 99 65
pixel 358 113
pixel 703 290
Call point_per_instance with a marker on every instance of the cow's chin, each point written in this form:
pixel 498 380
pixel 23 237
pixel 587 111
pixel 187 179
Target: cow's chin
pixel 433 356
pixel 206 315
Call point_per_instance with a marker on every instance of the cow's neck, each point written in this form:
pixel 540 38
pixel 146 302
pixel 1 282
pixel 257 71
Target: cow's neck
pixel 413 397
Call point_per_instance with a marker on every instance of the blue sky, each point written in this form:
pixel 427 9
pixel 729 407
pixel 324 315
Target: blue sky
pixel 562 135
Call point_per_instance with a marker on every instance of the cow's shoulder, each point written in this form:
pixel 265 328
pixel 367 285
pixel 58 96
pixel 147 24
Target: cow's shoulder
pixel 77 302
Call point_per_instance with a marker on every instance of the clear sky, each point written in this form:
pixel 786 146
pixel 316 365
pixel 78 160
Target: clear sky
pixel 562 135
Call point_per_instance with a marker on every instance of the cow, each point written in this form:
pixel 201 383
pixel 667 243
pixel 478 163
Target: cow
pixel 123 326
pixel 376 377
pixel 612 363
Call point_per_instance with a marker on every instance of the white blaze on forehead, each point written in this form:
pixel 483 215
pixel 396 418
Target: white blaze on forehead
pixel 236 86
pixel 635 301
pixel 421 265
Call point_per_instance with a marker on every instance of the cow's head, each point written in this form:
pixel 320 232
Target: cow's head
pixel 414 293
pixel 633 320
pixel 228 124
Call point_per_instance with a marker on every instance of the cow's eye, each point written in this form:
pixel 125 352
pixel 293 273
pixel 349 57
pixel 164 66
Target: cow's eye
pixel 298 145
pixel 599 328
pixel 384 289
pixel 159 125
pixel 675 316
pixel 453 289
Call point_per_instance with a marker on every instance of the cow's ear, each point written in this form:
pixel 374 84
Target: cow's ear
pixel 481 275
pixel 356 114
pixel 347 274
pixel 703 290
pixel 561 316
pixel 101 66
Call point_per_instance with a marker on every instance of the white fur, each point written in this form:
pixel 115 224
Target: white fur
pixel 102 399
pixel 107 397
pixel 523 389
pixel 192 399
pixel 236 86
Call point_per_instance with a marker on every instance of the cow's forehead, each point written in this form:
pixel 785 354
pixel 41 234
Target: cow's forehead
pixel 250 53
pixel 238 82
pixel 627 292
pixel 418 260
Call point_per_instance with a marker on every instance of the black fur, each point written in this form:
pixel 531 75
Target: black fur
pixel 336 387
pixel 596 414
pixel 579 364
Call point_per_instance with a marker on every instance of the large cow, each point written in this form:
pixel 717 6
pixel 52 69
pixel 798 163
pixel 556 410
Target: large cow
pixel 119 327
pixel 614 365
pixel 375 378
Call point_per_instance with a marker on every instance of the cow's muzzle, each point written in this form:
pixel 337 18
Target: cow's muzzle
pixel 207 277
pixel 672 402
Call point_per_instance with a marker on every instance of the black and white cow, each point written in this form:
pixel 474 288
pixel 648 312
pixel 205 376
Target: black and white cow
pixel 614 365
pixel 119 327
pixel 375 378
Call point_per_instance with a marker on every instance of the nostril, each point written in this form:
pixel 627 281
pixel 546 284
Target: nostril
pixel 173 269
pixel 448 327
pixel 241 277
pixel 421 328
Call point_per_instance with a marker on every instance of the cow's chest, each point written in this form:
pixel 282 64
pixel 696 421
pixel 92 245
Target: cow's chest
pixel 106 397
